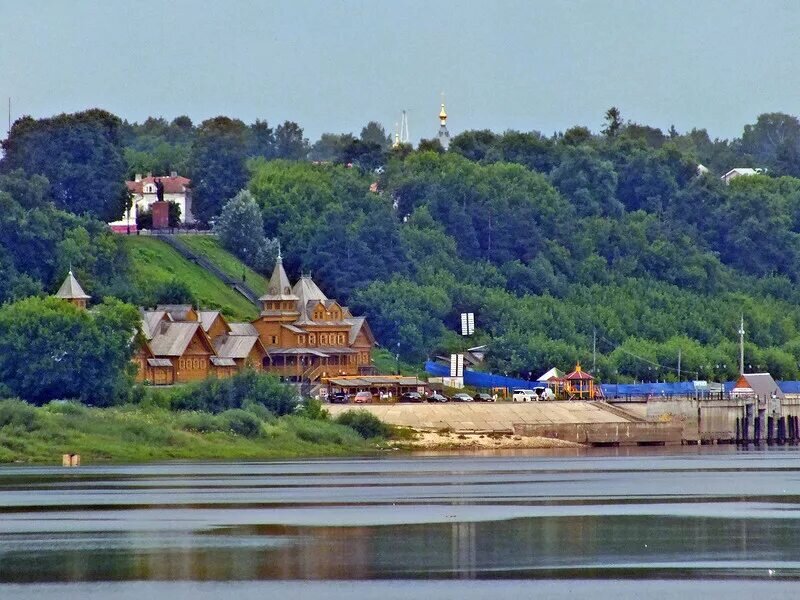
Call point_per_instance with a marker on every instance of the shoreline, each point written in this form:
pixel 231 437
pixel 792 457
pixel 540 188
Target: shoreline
pixel 432 440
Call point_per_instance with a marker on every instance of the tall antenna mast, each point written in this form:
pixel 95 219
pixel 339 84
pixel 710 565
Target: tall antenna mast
pixel 741 347
pixel 9 114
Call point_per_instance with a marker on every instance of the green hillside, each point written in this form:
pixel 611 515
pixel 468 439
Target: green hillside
pixel 155 262
pixel 209 247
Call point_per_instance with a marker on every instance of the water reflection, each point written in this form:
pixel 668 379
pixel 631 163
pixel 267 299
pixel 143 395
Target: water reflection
pixel 700 514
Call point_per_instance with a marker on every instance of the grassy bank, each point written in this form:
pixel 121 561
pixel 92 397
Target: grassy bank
pixel 137 434
pixel 208 246
pixel 156 262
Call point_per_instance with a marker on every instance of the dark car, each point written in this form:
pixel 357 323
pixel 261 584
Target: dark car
pixel 338 398
pixel 411 397
pixel 437 397
pixel 482 397
pixel 462 397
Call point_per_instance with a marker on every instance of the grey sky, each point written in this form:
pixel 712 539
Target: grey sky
pixel 332 66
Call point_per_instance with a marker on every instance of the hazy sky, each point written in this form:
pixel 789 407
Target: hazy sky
pixel 334 65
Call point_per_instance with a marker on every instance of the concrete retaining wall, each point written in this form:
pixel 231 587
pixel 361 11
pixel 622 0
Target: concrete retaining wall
pixel 623 434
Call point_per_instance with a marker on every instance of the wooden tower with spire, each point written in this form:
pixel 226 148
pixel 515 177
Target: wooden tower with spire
pixel 72 292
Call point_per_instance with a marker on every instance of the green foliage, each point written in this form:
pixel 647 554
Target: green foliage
pixel 240 229
pixel 241 422
pixel 217 164
pixel 312 408
pixel 16 413
pixel 50 349
pixel 364 423
pixel 81 156
pixel 244 388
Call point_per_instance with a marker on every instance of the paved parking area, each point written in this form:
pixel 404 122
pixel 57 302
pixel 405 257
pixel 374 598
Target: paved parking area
pixel 483 417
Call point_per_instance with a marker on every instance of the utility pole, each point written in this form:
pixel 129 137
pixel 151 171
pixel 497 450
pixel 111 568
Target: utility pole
pixel 741 346
pixel 9 114
pixel 679 365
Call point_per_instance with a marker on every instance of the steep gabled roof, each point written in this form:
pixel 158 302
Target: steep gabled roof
pixel 207 318
pixel 150 321
pixel 71 289
pixel 242 329
pixel 177 312
pixel 172 339
pixel 235 346
pixel 357 325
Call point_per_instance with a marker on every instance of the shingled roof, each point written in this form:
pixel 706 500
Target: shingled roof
pixel 172 339
pixel 71 289
pixel 279 288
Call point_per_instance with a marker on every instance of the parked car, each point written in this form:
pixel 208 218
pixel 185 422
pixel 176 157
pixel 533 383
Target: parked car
pixel 411 397
pixel 437 397
pixel 363 398
pixel 339 398
pixel 544 393
pixel 462 397
pixel 524 396
pixel 483 397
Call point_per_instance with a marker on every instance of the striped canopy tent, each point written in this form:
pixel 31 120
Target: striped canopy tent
pixel 579 385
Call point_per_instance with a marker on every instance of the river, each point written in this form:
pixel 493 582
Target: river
pixel 666 523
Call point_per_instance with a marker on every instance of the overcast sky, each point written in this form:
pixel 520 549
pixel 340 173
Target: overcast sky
pixel 334 65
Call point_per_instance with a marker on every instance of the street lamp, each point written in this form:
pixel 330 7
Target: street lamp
pixel 397 359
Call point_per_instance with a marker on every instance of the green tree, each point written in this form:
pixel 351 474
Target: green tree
pixel 613 120
pixel 81 156
pixel 217 165
pixel 374 134
pixel 240 229
pixel 51 349
pixel 289 141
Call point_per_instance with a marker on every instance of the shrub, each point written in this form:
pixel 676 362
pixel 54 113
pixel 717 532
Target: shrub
pixel 364 423
pixel 19 414
pixel 66 407
pixel 243 389
pixel 259 410
pixel 241 422
pixel 313 409
pixel 320 432
pixel 200 422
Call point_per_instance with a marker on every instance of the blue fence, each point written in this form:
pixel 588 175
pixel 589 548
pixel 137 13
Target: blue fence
pixel 610 390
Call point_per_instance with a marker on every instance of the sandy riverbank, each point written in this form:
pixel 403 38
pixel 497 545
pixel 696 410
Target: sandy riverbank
pixel 427 440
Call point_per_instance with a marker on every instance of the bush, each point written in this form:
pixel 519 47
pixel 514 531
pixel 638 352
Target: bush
pixel 318 432
pixel 18 414
pixel 64 407
pixel 313 409
pixel 200 422
pixel 259 410
pixel 241 422
pixel 364 423
pixel 243 389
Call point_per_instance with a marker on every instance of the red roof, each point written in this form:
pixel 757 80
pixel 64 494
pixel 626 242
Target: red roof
pixel 172 185
pixel 578 373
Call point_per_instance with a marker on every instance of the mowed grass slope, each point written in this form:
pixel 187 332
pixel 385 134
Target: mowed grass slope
pixel 156 262
pixel 209 247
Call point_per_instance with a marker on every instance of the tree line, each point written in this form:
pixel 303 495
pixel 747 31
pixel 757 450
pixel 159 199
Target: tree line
pixel 552 241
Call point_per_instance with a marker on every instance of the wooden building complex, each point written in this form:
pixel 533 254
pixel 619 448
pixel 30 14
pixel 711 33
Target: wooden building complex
pixel 308 336
pixel 300 335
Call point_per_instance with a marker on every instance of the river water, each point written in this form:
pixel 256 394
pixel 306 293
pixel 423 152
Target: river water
pixel 670 523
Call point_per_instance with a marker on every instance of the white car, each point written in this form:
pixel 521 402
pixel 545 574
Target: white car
pixel 524 396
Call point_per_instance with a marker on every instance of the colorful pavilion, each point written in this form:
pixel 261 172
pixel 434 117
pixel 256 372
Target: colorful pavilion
pixel 580 385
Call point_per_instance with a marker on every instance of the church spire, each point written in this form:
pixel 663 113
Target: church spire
pixel 443 135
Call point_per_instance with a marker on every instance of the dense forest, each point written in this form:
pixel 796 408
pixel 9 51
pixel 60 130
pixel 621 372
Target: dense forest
pixel 553 241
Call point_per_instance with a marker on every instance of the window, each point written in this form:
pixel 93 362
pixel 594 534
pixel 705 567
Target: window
pixel 323 338
pixel 341 339
pixel 182 364
pixel 312 339
pixel 274 339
